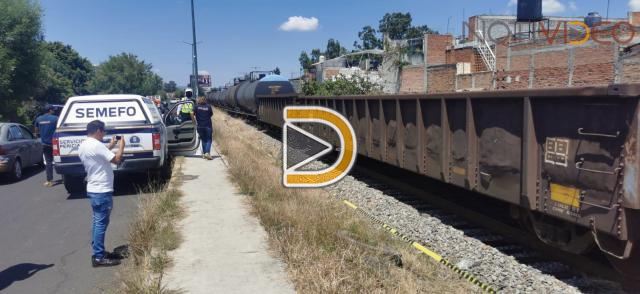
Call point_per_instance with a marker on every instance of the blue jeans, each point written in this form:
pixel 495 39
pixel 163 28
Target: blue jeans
pixel 101 203
pixel 205 136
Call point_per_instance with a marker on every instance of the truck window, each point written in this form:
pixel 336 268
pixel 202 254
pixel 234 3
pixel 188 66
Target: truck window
pixel 155 113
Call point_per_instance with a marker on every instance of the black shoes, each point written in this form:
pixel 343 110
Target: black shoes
pixel 113 255
pixel 109 259
pixel 95 262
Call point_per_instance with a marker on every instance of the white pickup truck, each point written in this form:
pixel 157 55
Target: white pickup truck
pixel 150 139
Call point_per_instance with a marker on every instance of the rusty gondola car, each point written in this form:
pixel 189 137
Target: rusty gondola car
pixel 566 159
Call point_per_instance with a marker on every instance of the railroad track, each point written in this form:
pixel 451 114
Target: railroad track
pixel 482 218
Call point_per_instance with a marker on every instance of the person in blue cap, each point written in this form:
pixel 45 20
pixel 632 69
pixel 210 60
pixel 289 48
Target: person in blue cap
pixel 45 127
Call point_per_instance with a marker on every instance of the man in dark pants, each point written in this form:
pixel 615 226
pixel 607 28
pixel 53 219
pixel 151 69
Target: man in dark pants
pixel 97 159
pixel 202 117
pixel 45 127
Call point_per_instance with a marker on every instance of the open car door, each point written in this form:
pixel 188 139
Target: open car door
pixel 182 135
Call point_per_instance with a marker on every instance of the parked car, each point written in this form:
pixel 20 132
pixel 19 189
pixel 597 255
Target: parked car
pixel 150 138
pixel 19 148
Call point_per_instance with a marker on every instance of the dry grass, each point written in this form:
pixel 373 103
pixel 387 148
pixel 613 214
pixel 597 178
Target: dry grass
pixel 151 235
pixel 303 226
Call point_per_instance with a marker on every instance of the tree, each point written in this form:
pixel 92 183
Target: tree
pixel 276 71
pixel 418 32
pixel 395 25
pixel 369 39
pixel 178 93
pixel 67 73
pixel 124 73
pixel 305 61
pixel 334 49
pixel 20 56
pixel 398 26
pixel 170 86
pixel 315 55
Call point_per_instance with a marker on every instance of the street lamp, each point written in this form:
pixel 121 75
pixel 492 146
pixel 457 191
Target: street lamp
pixel 194 82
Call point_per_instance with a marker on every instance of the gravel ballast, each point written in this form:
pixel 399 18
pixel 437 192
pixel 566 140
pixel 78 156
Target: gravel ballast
pixel 503 272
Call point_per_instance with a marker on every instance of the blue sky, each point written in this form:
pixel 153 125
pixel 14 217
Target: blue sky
pixel 239 35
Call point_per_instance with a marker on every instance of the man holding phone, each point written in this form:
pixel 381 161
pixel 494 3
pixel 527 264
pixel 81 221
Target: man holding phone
pixel 97 159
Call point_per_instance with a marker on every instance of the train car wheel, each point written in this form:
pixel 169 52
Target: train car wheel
pixel 561 234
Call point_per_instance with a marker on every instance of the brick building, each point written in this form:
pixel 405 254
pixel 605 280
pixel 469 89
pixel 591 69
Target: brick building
pixel 543 58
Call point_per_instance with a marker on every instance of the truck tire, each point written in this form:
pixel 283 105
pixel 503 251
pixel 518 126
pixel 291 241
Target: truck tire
pixel 73 184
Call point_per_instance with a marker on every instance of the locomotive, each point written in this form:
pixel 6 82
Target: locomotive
pixel 567 160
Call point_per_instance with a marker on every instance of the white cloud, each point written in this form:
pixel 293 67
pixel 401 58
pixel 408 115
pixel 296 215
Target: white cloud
pixel 634 5
pixel 300 23
pixel 512 3
pixel 573 6
pixel 552 7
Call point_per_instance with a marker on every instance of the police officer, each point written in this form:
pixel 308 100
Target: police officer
pixel 186 109
pixel 45 126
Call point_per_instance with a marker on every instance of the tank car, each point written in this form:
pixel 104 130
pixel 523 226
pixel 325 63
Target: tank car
pixel 243 96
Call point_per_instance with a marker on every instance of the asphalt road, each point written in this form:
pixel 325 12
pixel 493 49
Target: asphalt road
pixel 45 236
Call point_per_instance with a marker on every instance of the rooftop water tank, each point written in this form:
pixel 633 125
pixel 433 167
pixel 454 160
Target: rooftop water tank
pixel 529 10
pixel 593 19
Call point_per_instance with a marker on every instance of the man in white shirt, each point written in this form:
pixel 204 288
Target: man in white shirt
pixel 97 159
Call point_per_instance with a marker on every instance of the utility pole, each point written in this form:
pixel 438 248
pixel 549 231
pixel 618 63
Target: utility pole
pixel 194 51
pixel 608 3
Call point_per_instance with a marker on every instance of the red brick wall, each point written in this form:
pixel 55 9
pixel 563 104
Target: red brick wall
pixel 519 80
pixel 459 55
pixel 630 69
pixel 594 66
pixel 594 55
pixel 549 65
pixel 634 18
pixel 593 75
pixel 501 56
pixel 412 79
pixel 484 80
pixel 630 73
pixel 441 79
pixel 436 48
pixel 552 59
pixel 520 62
pixel 550 77
pixel 472 28
pixel 464 82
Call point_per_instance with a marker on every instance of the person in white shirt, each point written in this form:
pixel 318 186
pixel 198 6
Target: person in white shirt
pixel 97 159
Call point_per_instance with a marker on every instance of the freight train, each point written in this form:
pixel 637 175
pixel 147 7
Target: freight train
pixel 566 160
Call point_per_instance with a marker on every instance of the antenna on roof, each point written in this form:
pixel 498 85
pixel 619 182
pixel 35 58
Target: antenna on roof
pixel 463 26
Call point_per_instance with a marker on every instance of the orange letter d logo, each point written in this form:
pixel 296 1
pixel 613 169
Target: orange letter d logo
pixel 301 147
